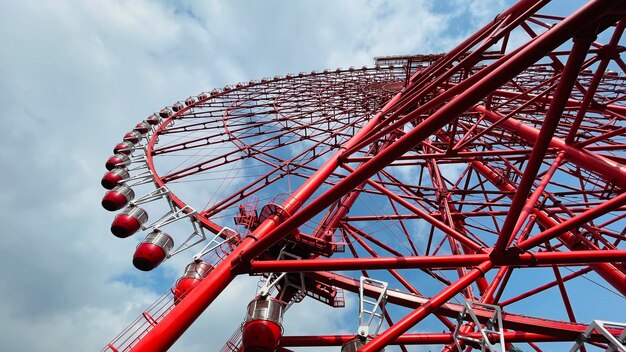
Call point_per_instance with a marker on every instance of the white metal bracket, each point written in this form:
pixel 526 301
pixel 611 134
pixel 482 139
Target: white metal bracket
pixel 371 313
pixel 172 216
pixel 197 236
pixel 616 343
pixel 274 278
pixel 216 242
pixel 137 159
pixel 493 327
pixel 153 195
pixel 139 179
pixel 138 156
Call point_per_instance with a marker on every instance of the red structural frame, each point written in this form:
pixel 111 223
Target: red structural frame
pixel 520 119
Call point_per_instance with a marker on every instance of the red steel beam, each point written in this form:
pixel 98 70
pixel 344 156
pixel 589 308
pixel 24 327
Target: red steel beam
pixel 446 208
pixel 554 229
pixel 468 214
pixel 409 321
pixel 177 321
pixel 437 262
pixel 542 142
pixel 439 73
pixel 431 338
pixel 398 277
pixel 424 215
pixel 506 70
pixel 164 334
pixel 571 103
pixel 543 287
pixel 579 157
pixel 452 310
pixel 595 81
pixel 537 193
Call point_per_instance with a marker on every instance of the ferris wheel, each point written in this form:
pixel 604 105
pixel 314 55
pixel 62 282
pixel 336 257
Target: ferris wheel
pixel 469 200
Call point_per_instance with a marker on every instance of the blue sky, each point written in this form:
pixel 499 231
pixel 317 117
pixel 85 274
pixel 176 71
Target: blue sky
pixel 76 75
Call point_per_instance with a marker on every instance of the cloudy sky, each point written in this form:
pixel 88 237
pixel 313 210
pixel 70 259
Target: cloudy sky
pixel 76 75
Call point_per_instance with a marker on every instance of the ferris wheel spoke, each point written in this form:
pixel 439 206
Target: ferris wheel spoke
pixel 226 158
pixel 215 138
pixel 403 226
pixel 247 148
pixel 254 186
pixel 277 172
pixel 493 173
pixel 564 296
pixel 410 193
pixel 210 122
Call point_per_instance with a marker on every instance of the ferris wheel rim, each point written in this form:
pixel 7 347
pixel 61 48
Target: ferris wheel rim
pixel 152 142
pixel 150 147
pixel 476 245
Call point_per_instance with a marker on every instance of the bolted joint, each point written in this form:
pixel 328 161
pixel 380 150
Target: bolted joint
pixel 509 255
pixel 581 339
pixel 239 265
pixel 585 37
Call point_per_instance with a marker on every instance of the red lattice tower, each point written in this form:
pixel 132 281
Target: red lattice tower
pixel 466 188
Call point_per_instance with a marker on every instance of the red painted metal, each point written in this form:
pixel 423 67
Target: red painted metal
pixel 511 321
pixel 587 159
pixel 548 128
pixel 261 336
pixel 175 323
pixel 438 262
pixel 489 156
pixel 418 339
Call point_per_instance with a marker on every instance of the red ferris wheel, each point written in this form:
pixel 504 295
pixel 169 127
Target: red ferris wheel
pixel 469 200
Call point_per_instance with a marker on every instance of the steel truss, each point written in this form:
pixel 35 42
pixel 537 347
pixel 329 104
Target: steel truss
pixel 493 173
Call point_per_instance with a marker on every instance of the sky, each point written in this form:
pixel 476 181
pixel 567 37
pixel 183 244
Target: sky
pixel 76 75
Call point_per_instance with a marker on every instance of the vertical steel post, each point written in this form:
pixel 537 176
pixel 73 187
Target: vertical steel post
pixel 550 123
